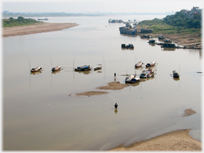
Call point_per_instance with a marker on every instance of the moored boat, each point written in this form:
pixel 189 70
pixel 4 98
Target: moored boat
pixel 129 46
pixel 57 68
pixel 146 74
pixel 36 69
pixel 83 68
pixel 152 41
pixel 176 74
pixel 153 63
pixel 161 37
pixel 139 64
pixel 131 79
pixel 167 41
pixel 98 67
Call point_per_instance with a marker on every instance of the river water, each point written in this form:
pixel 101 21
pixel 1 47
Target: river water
pixel 41 111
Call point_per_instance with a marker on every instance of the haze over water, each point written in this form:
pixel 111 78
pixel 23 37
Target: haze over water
pixel 41 112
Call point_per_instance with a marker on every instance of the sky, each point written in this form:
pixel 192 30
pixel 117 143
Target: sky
pixel 115 6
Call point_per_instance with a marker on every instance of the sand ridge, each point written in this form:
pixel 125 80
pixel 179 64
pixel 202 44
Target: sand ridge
pixel 35 28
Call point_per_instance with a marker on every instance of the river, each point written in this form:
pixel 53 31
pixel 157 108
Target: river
pixel 41 111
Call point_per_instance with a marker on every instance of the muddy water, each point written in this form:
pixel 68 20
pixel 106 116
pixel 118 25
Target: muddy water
pixel 41 111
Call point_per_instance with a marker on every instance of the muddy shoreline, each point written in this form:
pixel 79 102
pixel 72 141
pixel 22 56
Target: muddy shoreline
pixel 35 28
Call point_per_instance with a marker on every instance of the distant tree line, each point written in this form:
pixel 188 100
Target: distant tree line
pixel 18 22
pixel 180 19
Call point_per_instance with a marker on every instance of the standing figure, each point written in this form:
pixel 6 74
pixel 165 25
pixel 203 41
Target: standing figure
pixel 116 105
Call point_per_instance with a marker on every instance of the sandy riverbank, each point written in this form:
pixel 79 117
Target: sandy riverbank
pixel 187 40
pixel 173 141
pixel 36 28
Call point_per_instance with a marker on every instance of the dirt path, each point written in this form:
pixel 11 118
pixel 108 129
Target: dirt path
pixel 36 28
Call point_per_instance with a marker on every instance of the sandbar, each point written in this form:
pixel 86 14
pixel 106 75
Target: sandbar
pixel 173 141
pixel 35 28
pixel 91 93
pixel 113 86
pixel 110 86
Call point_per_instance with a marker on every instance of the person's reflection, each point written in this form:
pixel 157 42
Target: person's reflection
pixel 116 111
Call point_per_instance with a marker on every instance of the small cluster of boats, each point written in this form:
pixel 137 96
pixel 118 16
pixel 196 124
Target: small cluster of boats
pixel 129 46
pixel 88 68
pixel 140 63
pixel 58 68
pixel 148 73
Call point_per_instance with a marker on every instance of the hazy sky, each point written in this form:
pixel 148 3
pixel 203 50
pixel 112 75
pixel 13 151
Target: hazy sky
pixel 78 6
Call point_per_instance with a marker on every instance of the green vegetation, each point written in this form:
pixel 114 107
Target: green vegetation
pixel 178 23
pixel 11 22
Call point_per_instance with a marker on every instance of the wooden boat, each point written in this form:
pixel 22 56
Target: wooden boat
pixel 146 74
pixel 98 67
pixel 36 69
pixel 129 46
pixel 161 37
pixel 139 64
pixel 153 63
pixel 83 68
pixel 167 41
pixel 152 41
pixel 169 46
pixel 131 79
pixel 176 74
pixel 145 36
pixel 57 68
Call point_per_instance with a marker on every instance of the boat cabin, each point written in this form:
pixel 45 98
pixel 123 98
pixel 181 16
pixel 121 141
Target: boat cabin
pixel 151 64
pixel 176 74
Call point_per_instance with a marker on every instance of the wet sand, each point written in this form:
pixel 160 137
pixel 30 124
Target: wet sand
pixel 36 28
pixel 109 86
pixel 173 141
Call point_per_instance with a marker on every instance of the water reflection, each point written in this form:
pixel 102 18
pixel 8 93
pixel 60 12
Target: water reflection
pixel 168 49
pixel 152 44
pixel 134 84
pixel 55 72
pixel 116 110
pixel 35 73
pixel 84 72
pixel 176 79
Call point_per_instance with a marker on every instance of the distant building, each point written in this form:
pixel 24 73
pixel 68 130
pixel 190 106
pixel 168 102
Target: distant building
pixel 190 14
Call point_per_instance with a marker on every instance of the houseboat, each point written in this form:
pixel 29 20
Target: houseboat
pixel 131 79
pixel 152 41
pixel 169 46
pixel 176 74
pixel 139 64
pixel 83 68
pixel 57 68
pixel 129 46
pixel 36 69
pixel 153 63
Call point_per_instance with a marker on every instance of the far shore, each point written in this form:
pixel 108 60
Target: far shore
pixel 35 28
pixel 173 141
